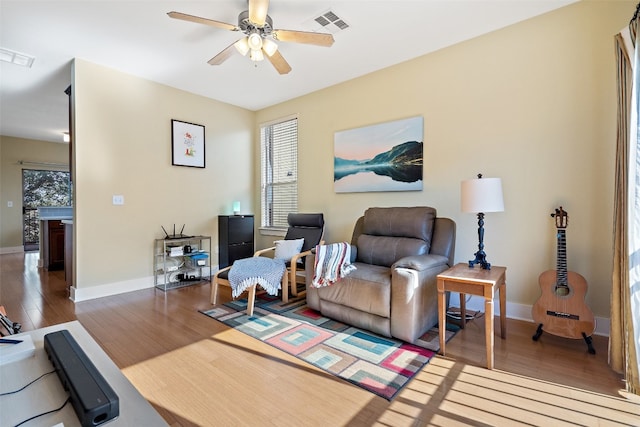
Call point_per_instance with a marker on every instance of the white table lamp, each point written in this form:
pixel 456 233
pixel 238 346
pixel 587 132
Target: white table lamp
pixel 479 196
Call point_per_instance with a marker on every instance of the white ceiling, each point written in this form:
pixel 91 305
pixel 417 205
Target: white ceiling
pixel 138 38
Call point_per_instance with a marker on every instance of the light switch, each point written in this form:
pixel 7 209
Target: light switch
pixel 9 204
pixel 118 200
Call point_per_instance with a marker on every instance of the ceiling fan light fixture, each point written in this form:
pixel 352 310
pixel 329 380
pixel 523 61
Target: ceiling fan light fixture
pixel 256 55
pixel 269 46
pixel 242 46
pixel 254 40
pixel 260 38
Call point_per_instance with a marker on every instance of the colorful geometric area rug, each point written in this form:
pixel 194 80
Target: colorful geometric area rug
pixel 378 364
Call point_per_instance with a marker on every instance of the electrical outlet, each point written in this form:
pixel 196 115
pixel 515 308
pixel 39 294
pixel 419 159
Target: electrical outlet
pixel 118 200
pixel 9 204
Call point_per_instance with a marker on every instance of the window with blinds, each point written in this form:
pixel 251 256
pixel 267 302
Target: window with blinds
pixel 279 164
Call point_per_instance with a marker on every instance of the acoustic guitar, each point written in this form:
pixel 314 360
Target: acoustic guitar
pixel 561 309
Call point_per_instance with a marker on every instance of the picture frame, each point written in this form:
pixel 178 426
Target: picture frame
pixel 187 144
pixel 381 157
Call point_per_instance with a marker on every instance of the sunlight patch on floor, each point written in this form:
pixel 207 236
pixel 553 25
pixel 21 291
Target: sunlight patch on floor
pixel 168 381
pixel 450 393
pixel 193 381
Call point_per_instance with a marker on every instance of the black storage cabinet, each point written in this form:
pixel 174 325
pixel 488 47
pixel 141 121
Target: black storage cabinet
pixel 235 238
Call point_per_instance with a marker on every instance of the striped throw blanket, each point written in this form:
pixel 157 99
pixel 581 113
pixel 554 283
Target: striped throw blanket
pixel 333 262
pixel 262 271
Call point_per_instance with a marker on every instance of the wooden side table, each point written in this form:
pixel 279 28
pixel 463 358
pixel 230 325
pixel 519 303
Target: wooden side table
pixel 475 281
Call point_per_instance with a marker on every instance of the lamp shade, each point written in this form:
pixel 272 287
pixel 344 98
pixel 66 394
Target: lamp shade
pixel 481 195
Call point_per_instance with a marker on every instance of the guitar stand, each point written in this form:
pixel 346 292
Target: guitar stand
pixel 587 339
pixel 538 333
pixel 589 343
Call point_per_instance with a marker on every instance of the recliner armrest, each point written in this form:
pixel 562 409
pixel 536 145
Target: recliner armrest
pixel 420 262
pixel 443 241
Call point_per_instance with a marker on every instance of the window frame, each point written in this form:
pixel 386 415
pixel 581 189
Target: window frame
pixel 273 211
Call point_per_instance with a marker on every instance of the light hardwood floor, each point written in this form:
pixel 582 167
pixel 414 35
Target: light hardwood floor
pixel 197 372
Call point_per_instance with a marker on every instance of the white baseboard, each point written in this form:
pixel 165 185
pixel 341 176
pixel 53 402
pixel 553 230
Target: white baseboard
pixel 110 289
pixel 12 250
pixel 475 303
pixel 520 311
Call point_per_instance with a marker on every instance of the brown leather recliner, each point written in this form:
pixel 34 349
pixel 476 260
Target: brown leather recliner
pixel 397 252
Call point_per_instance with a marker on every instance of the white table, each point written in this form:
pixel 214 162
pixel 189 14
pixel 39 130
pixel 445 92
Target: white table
pixel 48 393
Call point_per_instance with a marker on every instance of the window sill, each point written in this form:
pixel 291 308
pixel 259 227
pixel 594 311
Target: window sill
pixel 272 231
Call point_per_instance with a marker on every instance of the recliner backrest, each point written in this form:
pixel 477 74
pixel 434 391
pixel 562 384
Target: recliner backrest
pixel 385 235
pixel 309 226
pixel 414 222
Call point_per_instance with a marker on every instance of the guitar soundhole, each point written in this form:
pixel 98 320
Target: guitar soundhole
pixel 562 291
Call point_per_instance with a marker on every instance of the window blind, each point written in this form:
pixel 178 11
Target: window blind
pixel 279 164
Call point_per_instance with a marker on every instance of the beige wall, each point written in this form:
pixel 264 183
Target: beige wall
pixel 12 151
pixel 533 103
pixel 122 147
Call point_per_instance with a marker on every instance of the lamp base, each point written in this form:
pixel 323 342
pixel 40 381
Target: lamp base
pixel 481 258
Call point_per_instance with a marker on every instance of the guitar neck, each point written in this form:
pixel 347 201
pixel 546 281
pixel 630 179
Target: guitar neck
pixel 561 269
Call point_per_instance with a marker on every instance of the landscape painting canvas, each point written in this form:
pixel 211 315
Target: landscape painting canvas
pixel 382 157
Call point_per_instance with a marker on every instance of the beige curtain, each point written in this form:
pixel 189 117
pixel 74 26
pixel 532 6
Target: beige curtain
pixel 624 335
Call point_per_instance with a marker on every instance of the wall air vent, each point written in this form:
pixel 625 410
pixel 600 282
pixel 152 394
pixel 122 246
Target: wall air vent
pixel 328 22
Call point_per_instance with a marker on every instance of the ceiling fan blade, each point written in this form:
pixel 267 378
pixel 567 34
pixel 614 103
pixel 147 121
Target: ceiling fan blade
pixel 318 39
pixel 258 11
pixel 205 21
pixel 278 62
pixel 223 56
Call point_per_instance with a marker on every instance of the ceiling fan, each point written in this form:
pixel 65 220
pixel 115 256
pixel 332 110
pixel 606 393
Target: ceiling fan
pixel 259 38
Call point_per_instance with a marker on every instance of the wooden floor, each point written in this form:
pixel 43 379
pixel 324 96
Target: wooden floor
pixel 197 372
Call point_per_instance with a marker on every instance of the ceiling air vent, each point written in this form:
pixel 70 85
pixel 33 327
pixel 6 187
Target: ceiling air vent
pixel 17 58
pixel 328 22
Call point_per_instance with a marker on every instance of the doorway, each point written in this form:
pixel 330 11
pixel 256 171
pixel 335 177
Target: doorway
pixel 41 188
